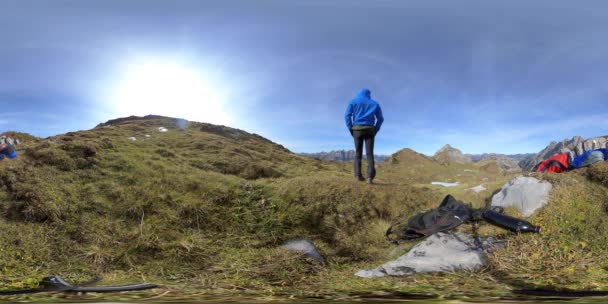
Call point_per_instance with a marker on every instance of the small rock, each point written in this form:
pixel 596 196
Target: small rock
pixel 527 194
pixel 478 189
pixel 147 135
pixel 162 129
pixel 133 138
pixel 372 273
pixel 306 247
pixel 446 184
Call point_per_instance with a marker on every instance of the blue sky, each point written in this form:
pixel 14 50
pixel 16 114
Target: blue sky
pixel 483 76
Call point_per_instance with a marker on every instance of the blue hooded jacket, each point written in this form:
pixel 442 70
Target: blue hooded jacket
pixel 363 111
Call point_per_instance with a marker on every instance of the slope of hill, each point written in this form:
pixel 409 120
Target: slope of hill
pixel 199 202
pixel 205 208
pixel 409 167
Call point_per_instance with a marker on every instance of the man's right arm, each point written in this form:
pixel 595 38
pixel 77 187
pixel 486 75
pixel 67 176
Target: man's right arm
pixel 348 117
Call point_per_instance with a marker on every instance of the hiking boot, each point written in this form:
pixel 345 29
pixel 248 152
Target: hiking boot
pixel 369 180
pixel 360 178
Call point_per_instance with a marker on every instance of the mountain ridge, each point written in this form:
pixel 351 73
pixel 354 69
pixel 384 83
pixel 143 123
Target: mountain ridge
pixel 341 155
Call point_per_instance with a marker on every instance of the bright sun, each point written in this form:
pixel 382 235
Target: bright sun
pixel 168 89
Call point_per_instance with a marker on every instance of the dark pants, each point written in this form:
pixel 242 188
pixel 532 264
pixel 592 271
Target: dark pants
pixel 366 136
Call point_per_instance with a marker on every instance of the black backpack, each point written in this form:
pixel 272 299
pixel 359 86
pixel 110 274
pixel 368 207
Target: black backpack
pixel 449 215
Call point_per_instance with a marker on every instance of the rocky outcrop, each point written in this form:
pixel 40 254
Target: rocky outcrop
pixel 341 155
pixel 441 252
pixel 9 140
pixel 507 164
pixel 448 154
pixel 577 145
pixel 527 194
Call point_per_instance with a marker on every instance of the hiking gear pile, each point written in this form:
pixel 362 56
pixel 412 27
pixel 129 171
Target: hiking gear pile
pixel 567 161
pixel 450 214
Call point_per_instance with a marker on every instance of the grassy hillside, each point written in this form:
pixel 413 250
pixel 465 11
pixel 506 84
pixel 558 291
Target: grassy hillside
pixel 407 167
pixel 201 202
pixel 205 207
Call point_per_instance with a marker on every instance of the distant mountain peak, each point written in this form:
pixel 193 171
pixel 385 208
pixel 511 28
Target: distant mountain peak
pixel 448 154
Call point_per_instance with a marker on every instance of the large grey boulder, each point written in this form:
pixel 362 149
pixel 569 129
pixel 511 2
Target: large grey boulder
pixel 527 194
pixel 306 247
pixel 441 252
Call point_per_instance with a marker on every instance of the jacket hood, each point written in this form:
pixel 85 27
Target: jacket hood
pixel 365 93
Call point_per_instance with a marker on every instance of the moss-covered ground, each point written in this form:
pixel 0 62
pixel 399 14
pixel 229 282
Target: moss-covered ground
pixel 203 209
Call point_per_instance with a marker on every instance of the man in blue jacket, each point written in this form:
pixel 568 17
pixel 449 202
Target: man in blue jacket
pixel 363 120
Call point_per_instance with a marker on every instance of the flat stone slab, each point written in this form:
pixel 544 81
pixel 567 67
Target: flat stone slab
pixel 527 194
pixel 441 252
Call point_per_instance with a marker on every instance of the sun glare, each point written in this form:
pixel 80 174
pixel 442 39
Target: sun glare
pixel 168 89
